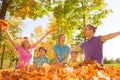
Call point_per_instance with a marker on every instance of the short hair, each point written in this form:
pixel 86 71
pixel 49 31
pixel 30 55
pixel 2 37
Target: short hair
pixel 25 37
pixel 60 36
pixel 42 49
pixel 91 27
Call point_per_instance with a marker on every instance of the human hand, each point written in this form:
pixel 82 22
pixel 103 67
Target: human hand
pixel 62 63
pixel 72 50
pixel 52 31
pixel 57 62
pixel 4 25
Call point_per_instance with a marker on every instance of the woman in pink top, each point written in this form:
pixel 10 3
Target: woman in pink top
pixel 25 50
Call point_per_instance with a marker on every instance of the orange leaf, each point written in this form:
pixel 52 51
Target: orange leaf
pixel 53 30
pixel 34 73
pixel 4 25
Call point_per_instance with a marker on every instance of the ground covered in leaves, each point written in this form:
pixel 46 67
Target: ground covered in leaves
pixel 62 72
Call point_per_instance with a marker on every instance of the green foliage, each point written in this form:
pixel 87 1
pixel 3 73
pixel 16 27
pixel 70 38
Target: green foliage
pixel 106 61
pixel 73 15
pixel 70 15
pixel 28 8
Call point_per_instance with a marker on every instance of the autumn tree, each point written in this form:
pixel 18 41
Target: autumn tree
pixel 24 8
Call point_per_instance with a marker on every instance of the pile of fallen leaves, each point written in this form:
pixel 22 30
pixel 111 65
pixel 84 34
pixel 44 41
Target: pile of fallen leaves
pixel 62 72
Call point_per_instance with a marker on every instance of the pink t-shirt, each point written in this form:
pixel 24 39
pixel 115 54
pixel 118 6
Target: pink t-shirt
pixel 26 57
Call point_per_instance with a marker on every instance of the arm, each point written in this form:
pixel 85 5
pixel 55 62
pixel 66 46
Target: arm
pixel 109 36
pixel 42 38
pixel 11 39
pixel 76 48
pixel 65 59
pixel 35 62
pixel 4 26
pixel 56 58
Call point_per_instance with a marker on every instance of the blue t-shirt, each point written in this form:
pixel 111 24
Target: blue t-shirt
pixel 40 61
pixel 93 49
pixel 61 51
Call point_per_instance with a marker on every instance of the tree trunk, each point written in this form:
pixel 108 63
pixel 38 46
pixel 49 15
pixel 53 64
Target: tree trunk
pixel 2 16
pixel 2 56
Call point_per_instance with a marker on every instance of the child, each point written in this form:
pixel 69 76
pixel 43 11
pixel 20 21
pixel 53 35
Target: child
pixel 41 58
pixel 61 50
pixel 75 58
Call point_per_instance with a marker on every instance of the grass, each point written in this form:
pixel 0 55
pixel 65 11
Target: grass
pixel 117 66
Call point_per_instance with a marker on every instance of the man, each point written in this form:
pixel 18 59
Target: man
pixel 93 45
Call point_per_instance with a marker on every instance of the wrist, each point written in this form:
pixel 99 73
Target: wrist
pixel 7 31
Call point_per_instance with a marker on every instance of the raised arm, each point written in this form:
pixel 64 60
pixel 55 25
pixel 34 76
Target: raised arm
pixel 42 38
pixel 4 25
pixel 109 36
pixel 76 48
pixel 11 39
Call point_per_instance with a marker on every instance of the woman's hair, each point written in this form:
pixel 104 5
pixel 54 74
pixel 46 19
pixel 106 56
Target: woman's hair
pixel 60 36
pixel 91 27
pixel 22 43
pixel 42 49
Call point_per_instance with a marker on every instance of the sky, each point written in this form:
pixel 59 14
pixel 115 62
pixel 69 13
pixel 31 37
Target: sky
pixel 111 48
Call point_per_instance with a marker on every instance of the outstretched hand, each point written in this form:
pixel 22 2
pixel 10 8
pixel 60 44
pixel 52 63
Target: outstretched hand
pixel 4 25
pixel 51 31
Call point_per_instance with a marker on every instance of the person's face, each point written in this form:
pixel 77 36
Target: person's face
pixel 41 52
pixel 73 55
pixel 87 31
pixel 62 39
pixel 26 43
